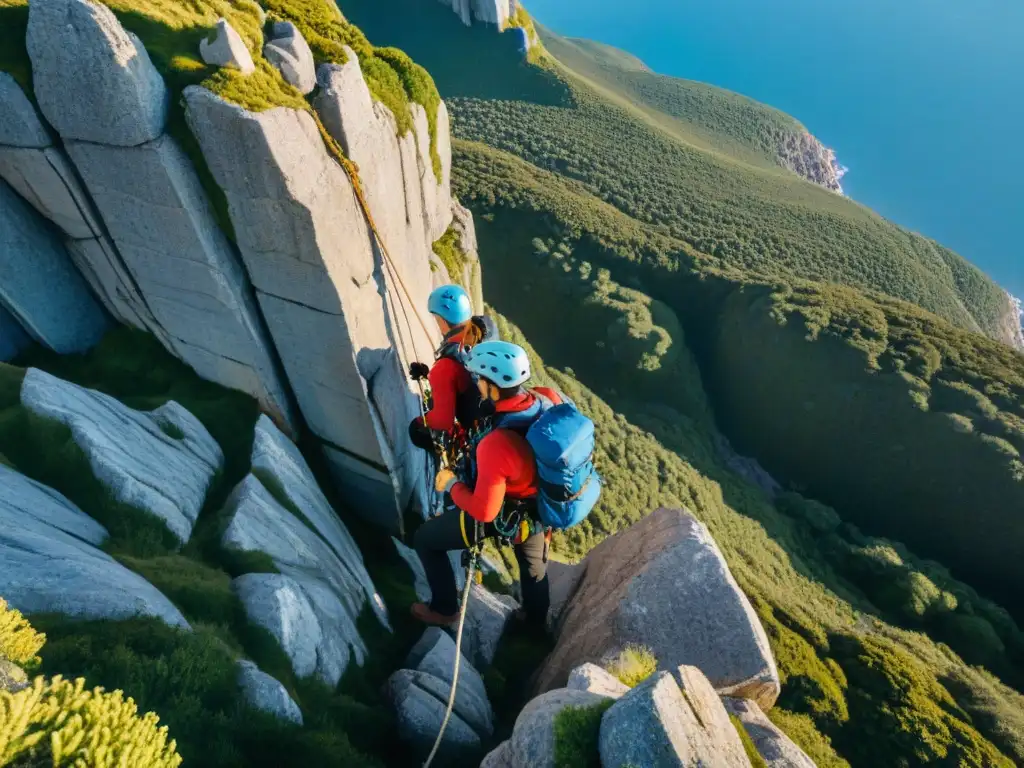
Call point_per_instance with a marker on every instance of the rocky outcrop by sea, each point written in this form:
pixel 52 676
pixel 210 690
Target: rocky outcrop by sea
pixel 806 156
pixel 1012 330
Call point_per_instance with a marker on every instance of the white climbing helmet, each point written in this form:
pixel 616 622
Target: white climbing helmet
pixel 500 362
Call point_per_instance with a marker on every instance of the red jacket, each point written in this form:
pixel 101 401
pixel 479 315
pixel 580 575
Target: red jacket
pixel 505 465
pixel 448 380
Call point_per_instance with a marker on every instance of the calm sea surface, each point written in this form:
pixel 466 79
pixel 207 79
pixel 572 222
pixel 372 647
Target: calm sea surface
pixel 922 99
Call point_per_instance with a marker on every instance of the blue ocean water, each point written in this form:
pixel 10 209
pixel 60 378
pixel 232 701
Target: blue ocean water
pixel 923 100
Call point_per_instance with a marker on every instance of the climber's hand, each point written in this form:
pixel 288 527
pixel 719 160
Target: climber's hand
pixel 420 434
pixel 445 480
pixel 419 371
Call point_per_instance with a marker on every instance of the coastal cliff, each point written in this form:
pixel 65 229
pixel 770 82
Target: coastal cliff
pixel 806 156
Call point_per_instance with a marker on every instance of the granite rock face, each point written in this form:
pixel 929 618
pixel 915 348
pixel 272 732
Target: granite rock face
pixel 633 589
pixel 19 124
pixel 776 748
pixel 52 564
pixel 314 585
pixel 324 293
pixel 161 462
pixel 93 80
pixel 157 212
pixel 40 286
pixel 266 694
pixel 655 725
pixel 289 52
pixel 226 49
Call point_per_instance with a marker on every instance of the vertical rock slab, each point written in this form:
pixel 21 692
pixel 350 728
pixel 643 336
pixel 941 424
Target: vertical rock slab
pixel 44 177
pixel 47 181
pixel 157 213
pixel 437 199
pixel 161 462
pixel 634 588
pixel 12 338
pixel 93 80
pixel 307 249
pixel 38 283
pixel 19 125
pixel 491 12
pixel 51 563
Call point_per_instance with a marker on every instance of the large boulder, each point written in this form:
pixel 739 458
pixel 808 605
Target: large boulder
pixel 288 50
pixel 266 693
pixel 776 748
pixel 590 677
pixel 225 48
pixel 487 616
pixel 307 248
pixel 20 126
pixel 13 340
pixel 331 591
pixel 38 283
pixel 434 655
pixel 93 80
pixel 161 462
pixel 532 744
pixel 279 465
pixel 52 563
pixel 158 214
pixel 420 701
pixel 656 726
pixel 633 589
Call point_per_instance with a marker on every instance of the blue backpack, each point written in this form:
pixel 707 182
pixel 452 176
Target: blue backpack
pixel 562 440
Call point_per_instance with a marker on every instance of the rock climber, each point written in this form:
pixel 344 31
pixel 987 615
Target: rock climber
pixel 503 497
pixel 452 391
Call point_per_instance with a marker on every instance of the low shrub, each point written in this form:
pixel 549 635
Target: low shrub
pixel 60 723
pixel 18 641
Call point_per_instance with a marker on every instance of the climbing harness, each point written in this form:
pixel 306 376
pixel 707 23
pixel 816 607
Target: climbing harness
pixel 474 556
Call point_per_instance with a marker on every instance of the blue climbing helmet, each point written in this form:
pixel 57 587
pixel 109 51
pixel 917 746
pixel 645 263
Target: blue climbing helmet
pixel 451 303
pixel 500 362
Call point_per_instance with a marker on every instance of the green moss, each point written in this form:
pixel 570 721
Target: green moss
pixel 756 761
pixel 633 665
pixel 392 77
pixel 576 735
pixel 454 260
pixel 13 55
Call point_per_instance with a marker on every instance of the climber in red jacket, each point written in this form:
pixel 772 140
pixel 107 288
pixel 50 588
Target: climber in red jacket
pixel 506 481
pixel 454 397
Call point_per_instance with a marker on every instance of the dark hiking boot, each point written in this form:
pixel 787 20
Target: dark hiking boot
pixel 424 613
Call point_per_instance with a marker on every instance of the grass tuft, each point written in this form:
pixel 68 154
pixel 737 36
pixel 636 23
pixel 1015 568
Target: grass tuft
pixel 454 260
pixel 633 665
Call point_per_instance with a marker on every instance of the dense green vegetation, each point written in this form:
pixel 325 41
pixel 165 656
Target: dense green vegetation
pixel 454 260
pixel 847 671
pixel 913 369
